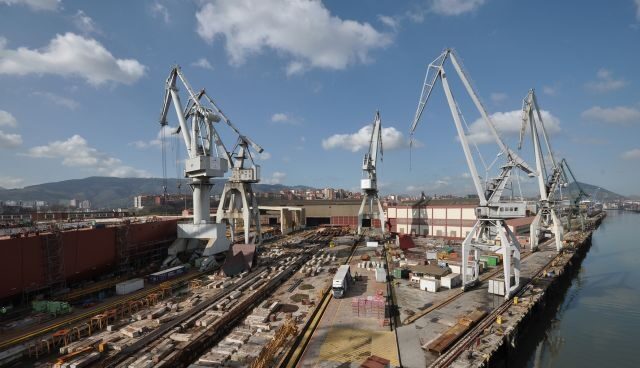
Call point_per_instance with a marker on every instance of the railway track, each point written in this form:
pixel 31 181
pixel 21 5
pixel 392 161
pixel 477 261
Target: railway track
pixel 447 358
pixel 67 322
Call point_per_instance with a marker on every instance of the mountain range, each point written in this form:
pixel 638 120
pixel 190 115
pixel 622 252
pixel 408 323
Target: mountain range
pixel 110 192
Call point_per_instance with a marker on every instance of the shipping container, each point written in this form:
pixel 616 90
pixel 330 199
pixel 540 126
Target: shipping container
pixel 497 286
pixel 430 285
pixel 381 275
pixel 451 280
pixel 169 273
pixel 129 286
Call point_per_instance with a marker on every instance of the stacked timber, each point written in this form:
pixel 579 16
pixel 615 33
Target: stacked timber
pixel 453 334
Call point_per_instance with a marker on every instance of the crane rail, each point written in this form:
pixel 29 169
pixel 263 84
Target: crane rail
pixel 447 358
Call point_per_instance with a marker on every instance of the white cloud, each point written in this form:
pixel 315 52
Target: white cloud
pixel 202 63
pixel 455 7
pixel 9 182
pixel 85 23
pixel 76 152
pixel 276 178
pixel 508 124
pixel 304 32
pixel 160 11
pixel 70 55
pixel 605 82
pixel 264 156
pixel 391 139
pixel 637 9
pixel 8 120
pixel 498 97
pixel 279 117
pixel 617 114
pixel 388 21
pixel 35 4
pixel 8 140
pixel 549 90
pixel 633 154
pixel 157 141
pixel 66 102
pixel 284 118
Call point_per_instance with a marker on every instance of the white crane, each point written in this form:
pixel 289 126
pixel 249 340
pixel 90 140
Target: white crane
pixel 238 200
pixel 371 206
pixel 546 221
pixel 492 211
pixel 208 158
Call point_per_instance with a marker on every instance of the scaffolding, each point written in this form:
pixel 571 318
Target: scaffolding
pixel 122 248
pixel 53 260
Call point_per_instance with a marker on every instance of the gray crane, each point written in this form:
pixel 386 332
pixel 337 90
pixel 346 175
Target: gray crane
pixel 371 206
pixel 546 222
pixel 490 232
pixel 207 158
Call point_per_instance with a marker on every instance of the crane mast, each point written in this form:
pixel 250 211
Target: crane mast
pixel 492 212
pixel 546 221
pixel 207 158
pixel 371 208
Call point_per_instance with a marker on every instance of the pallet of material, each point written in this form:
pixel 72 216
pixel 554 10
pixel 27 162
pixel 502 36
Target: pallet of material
pixel 224 350
pixel 162 350
pixel 180 337
pixel 205 321
pixel 212 358
pixel 443 342
pixel 142 362
pixel 163 319
pixel 228 346
pixel 131 331
pixel 85 361
pixel 236 339
pixel 157 312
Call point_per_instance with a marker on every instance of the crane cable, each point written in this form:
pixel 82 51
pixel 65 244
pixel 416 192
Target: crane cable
pixel 164 161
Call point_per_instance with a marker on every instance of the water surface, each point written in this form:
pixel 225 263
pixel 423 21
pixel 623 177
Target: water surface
pixel 598 322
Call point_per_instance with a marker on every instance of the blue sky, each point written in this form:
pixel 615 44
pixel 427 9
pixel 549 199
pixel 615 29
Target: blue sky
pixel 82 84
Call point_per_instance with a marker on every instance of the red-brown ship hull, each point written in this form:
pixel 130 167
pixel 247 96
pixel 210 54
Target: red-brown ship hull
pixel 84 253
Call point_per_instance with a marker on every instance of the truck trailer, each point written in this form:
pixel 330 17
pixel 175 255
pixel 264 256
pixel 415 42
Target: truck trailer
pixel 341 281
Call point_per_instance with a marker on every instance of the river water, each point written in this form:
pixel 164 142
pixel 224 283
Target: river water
pixel 598 322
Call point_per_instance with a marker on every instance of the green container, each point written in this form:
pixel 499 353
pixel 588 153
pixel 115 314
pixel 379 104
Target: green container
pixel 51 307
pixel 492 261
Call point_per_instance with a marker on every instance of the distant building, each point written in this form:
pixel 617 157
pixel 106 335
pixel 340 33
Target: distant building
pixel 329 193
pixel 140 201
pixel 85 205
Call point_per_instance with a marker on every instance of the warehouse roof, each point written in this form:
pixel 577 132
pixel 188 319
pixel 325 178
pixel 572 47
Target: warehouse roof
pixel 430 270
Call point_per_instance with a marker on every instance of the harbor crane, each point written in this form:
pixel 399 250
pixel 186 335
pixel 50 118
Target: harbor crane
pixel 238 201
pixel 546 221
pixel 574 208
pixel 371 208
pixel 490 232
pixel 207 158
